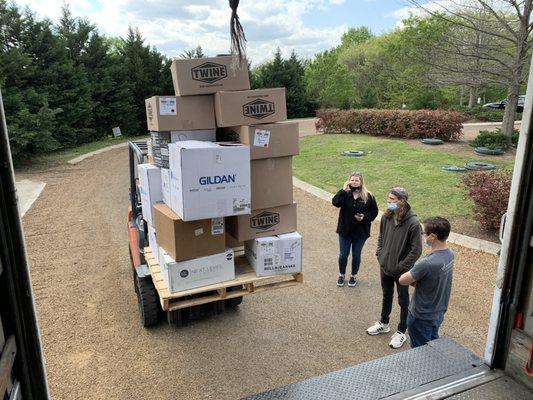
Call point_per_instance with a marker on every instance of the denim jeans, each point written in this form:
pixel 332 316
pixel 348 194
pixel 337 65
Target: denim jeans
pixel 422 331
pixel 345 242
pixel 387 287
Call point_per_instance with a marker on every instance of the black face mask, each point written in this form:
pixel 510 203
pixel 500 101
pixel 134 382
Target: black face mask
pixel 355 189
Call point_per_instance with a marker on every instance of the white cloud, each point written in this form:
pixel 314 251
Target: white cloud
pixel 444 6
pixel 175 25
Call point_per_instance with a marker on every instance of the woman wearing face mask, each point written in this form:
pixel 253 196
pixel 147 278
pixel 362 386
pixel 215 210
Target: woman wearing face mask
pixel 399 246
pixel 358 209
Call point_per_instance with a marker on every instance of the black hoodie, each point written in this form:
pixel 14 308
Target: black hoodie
pixel 399 245
pixel 347 224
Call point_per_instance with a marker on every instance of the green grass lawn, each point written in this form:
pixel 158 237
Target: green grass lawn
pixel 60 156
pixel 388 163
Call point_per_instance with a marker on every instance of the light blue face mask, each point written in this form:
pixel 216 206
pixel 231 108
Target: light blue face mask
pixel 392 206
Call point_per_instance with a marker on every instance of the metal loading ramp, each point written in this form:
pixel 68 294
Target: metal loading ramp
pixel 392 376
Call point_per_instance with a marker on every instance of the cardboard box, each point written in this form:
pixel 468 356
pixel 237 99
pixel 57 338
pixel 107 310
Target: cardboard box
pixel 161 140
pixel 203 271
pixel 275 255
pixel 187 240
pixel 250 107
pixel 208 75
pixel 174 113
pixel 269 140
pixel 165 185
pixel 209 180
pixel 152 241
pixel 150 188
pixel 261 223
pixel 271 182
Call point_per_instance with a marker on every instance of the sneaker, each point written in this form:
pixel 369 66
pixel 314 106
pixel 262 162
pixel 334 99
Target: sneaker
pixel 340 281
pixel 352 282
pixel 397 340
pixel 378 328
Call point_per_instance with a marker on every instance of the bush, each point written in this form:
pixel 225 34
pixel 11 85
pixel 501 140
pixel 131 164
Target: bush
pixel 490 192
pixel 490 140
pixel 410 124
pixel 484 113
pixel 494 139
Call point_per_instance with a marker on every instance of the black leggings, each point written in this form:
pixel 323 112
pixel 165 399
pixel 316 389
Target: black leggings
pixel 387 287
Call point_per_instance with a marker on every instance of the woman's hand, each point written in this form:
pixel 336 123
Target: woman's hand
pixel 359 216
pixel 347 186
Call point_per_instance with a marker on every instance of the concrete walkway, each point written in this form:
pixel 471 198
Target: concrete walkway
pixel 471 130
pixel 27 192
pixel 456 238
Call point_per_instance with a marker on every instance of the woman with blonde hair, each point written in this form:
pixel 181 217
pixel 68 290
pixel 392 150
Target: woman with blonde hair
pixel 358 208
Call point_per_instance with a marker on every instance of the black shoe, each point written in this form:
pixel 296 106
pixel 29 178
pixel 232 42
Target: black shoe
pixel 352 282
pixel 340 281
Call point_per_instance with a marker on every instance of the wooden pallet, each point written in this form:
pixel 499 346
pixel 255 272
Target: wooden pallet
pixel 244 276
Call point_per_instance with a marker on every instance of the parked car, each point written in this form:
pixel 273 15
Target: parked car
pixel 501 104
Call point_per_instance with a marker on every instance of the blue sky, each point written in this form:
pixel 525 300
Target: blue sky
pixel 306 26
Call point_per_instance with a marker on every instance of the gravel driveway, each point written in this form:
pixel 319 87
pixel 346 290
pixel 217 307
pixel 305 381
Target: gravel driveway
pixel 96 348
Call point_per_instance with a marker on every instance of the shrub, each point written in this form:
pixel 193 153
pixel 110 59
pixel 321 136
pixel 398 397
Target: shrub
pixel 493 139
pixel 410 124
pixel 484 113
pixel 490 140
pixel 490 192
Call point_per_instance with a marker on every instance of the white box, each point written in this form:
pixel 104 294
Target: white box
pixel 165 185
pixel 197 272
pixel 208 135
pixel 152 240
pixel 275 255
pixel 150 188
pixel 209 180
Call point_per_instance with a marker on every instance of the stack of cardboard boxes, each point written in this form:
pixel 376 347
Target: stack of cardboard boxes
pixel 199 189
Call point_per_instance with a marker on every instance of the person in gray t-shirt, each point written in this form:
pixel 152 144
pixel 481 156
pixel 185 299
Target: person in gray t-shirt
pixel 432 278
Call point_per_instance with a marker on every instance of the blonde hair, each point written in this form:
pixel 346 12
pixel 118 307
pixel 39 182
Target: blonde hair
pixel 365 194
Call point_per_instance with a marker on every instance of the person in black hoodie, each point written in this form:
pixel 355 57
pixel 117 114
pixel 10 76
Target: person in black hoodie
pixel 399 246
pixel 358 209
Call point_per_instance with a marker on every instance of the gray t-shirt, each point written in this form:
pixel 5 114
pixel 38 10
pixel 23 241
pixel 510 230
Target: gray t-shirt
pixel 433 275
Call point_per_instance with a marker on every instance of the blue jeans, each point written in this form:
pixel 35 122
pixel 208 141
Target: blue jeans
pixel 422 331
pixel 356 244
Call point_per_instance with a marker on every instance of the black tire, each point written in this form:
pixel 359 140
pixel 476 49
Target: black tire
pixel 353 153
pixel 236 301
pixel 432 141
pixel 479 166
pixel 219 307
pixel 484 151
pixel 147 300
pixel 176 318
pixel 453 168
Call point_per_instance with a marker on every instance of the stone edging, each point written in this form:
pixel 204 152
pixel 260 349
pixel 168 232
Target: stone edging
pixel 455 238
pixel 79 159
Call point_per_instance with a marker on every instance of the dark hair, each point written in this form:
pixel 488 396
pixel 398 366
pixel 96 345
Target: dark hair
pixel 439 226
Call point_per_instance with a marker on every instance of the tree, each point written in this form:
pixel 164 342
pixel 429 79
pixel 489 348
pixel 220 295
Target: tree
pixel 30 119
pixel 502 30
pixel 148 73
pixel 194 53
pixel 329 83
pixel 290 74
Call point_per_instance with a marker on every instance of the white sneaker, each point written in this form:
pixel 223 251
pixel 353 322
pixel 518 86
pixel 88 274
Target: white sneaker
pixel 397 340
pixel 378 328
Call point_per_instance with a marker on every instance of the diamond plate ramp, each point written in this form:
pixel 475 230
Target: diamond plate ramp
pixel 383 377
pixel 503 388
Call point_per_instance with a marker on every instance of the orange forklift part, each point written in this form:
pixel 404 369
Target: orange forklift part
pixel 529 363
pixel 519 320
pixel 133 234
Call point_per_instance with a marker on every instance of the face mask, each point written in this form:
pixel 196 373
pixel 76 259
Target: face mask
pixel 392 206
pixel 355 189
